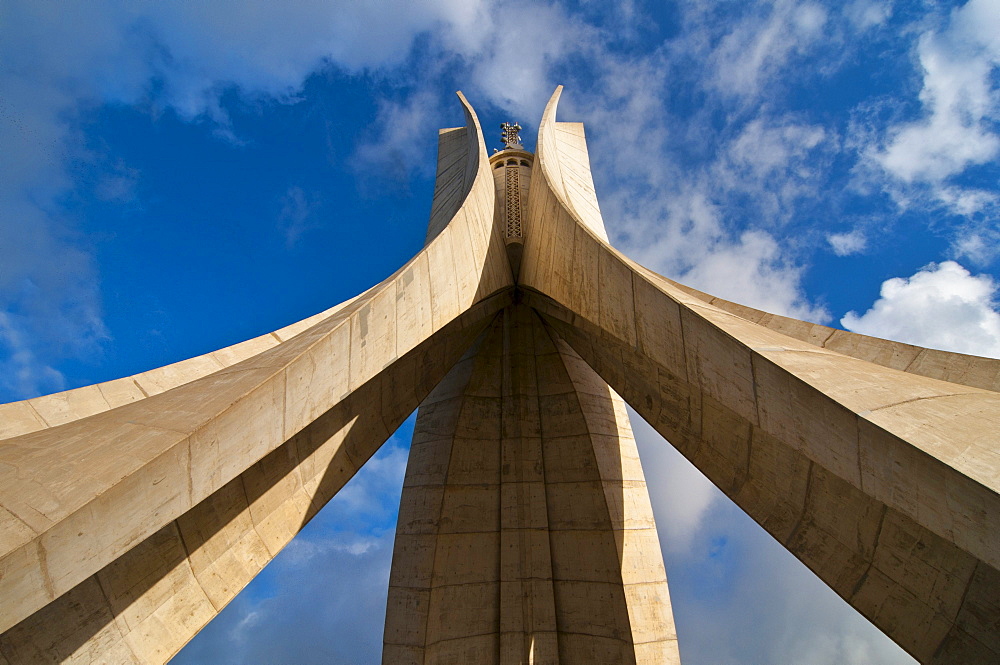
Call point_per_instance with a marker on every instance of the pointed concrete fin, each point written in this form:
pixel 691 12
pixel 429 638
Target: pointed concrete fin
pixel 461 151
pixel 959 368
pixel 562 149
pixel 885 483
pixel 137 509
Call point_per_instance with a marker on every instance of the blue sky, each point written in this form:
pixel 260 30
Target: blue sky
pixel 177 177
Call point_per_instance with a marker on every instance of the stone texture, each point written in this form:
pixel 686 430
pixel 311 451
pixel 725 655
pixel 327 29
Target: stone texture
pixel 172 489
pixel 132 511
pixel 525 528
pixel 835 443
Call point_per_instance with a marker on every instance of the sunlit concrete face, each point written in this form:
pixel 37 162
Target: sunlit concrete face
pixel 132 511
pixel 876 463
pixel 525 531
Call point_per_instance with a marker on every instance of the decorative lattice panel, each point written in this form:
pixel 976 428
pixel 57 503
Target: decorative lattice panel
pixel 513 202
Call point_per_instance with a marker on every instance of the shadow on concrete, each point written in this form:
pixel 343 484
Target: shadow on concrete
pixel 365 420
pixel 508 416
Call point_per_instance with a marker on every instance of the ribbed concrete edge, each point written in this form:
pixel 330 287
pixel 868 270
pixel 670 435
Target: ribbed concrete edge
pixel 884 483
pixel 525 530
pixel 77 499
pixel 959 368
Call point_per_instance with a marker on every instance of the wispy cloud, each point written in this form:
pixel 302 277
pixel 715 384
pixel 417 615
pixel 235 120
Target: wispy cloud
pixel 710 221
pixel 980 244
pixel 372 497
pixel 865 14
pixel 932 148
pixel 403 128
pixel 760 44
pixel 22 373
pixel 544 43
pixel 680 494
pixel 49 303
pixel 297 214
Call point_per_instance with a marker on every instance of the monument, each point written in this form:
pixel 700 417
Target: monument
pixel 132 511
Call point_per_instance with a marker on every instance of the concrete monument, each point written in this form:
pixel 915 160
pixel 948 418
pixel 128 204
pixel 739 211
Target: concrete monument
pixel 132 511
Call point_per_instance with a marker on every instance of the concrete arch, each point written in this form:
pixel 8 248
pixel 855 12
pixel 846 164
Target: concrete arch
pixel 884 483
pixel 127 526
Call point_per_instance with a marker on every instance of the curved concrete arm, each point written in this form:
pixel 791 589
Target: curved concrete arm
pixel 174 471
pixel 960 368
pixel 131 512
pixel 884 483
pixel 38 413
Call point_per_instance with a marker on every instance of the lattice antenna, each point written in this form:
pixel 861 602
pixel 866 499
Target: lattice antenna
pixel 509 134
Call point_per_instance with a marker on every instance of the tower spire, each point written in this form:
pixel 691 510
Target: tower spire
pixel 509 134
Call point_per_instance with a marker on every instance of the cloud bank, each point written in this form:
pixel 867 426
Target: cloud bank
pixel 942 306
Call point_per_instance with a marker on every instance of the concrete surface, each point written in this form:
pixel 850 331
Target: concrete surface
pixel 132 511
pixel 877 464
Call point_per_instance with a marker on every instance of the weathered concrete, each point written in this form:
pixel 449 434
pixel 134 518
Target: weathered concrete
pixel 132 511
pixel 884 482
pixel 525 531
pixel 128 523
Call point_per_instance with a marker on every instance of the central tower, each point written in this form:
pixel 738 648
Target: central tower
pixel 525 530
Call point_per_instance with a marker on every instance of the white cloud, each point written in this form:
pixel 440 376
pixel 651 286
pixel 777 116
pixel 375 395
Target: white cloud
pixel 764 149
pixel 966 201
pixel 978 245
pixel 268 49
pixel 751 271
pixel 522 84
pixel 959 101
pixel 845 244
pixel 682 235
pixel 364 497
pixel 403 128
pixel 942 306
pixel 775 161
pixel 677 220
pixel 246 624
pixel 358 547
pixel 49 305
pixel 690 221
pixel 21 373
